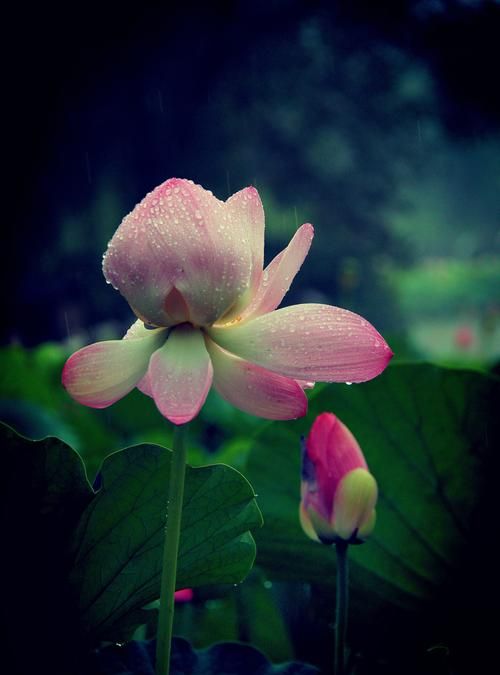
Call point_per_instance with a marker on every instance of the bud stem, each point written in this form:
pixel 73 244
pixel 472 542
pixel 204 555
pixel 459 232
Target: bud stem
pixel 170 551
pixel 341 547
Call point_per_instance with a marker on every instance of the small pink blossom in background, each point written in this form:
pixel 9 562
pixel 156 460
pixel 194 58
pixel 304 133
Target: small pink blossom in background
pixel 191 268
pixel 338 493
pixel 464 337
pixel 184 595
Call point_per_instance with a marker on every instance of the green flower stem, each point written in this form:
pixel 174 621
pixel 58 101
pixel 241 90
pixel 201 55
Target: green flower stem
pixel 170 551
pixel 341 606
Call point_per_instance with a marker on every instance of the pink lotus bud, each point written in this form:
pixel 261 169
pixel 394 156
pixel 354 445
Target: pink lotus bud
pixel 338 492
pixel 184 595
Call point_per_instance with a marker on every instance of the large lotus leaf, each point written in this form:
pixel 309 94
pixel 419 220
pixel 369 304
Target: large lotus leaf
pixel 431 437
pixel 118 543
pixel 44 491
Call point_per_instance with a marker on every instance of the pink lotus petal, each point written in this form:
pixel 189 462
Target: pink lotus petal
pixel 334 452
pixel 279 274
pixel 306 384
pixel 144 385
pixel 138 329
pixel 180 237
pixel 255 390
pixel 247 214
pixel 180 374
pixel 309 342
pixel 102 373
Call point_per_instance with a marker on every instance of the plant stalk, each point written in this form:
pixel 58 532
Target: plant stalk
pixel 170 551
pixel 341 548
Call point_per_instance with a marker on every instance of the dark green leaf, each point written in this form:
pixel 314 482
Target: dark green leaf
pixel 43 495
pixel 119 541
pixel 430 436
pixel 222 614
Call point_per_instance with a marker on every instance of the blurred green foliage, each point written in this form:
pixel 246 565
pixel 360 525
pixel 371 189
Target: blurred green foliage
pixel 237 614
pixel 451 308
pixel 446 288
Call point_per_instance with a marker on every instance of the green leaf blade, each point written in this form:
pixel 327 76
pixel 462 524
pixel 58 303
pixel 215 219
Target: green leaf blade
pixel 118 546
pixel 429 436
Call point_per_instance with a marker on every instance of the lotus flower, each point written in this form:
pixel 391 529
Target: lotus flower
pixel 191 268
pixel 338 492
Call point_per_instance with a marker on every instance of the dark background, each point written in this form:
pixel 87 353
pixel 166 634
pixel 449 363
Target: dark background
pixel 378 122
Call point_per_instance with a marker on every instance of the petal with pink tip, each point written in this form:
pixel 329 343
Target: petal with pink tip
pixel 179 237
pixel 102 373
pixel 334 452
pixel 144 385
pixel 180 374
pixel 279 274
pixel 255 390
pixel 247 215
pixel 309 342
pixel 331 444
pixel 138 329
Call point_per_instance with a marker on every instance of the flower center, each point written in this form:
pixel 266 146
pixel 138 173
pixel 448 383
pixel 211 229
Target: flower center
pixel 176 307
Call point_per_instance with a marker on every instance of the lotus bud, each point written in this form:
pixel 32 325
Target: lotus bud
pixel 338 493
pixel 184 595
